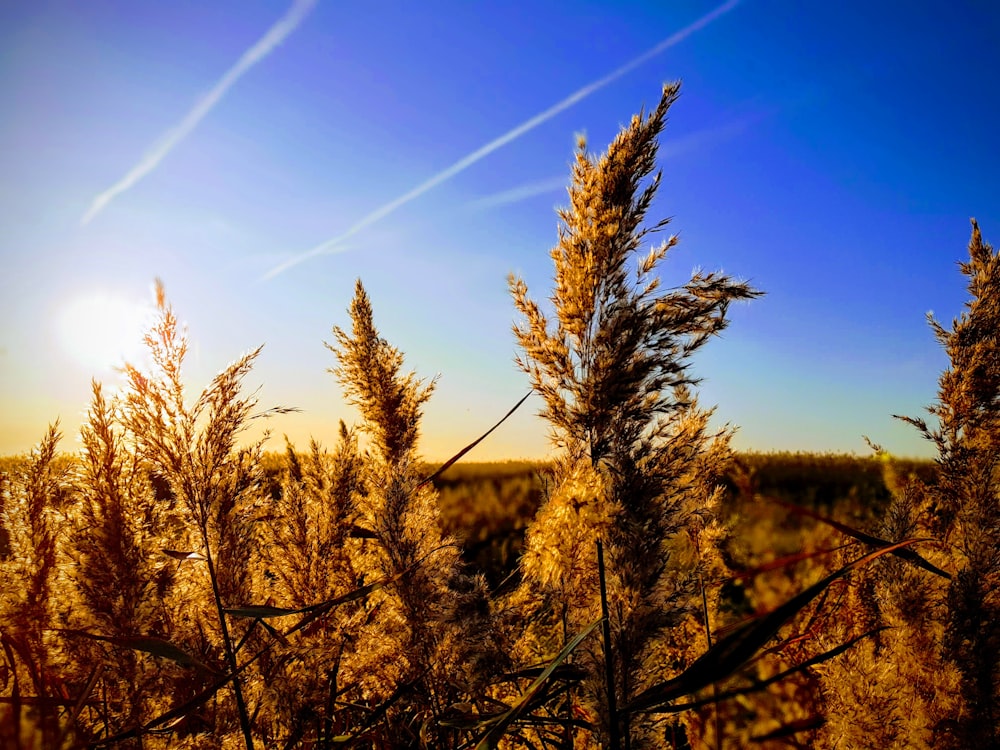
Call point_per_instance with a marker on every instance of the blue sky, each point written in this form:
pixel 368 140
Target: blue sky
pixel 261 156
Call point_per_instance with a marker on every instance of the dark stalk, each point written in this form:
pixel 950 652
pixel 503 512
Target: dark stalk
pixel 715 685
pixel 609 667
pixel 331 703
pixel 227 642
pixel 568 728
pixel 15 694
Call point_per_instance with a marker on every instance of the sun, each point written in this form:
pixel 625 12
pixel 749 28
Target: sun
pixel 102 330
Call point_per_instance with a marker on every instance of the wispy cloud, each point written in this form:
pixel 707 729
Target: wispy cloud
pixel 709 136
pixel 520 193
pixel 264 46
pixel 335 244
pixel 670 149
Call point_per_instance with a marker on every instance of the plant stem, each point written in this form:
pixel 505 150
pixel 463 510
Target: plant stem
pixel 715 685
pixel 609 668
pixel 228 644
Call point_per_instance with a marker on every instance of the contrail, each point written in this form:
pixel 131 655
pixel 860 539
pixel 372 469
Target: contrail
pixel 671 149
pixel 274 36
pixel 503 140
pixel 519 193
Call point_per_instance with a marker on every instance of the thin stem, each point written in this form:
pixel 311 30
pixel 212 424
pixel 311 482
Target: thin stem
pixel 228 644
pixel 568 728
pixel 15 693
pixel 715 685
pixel 331 705
pixel 609 668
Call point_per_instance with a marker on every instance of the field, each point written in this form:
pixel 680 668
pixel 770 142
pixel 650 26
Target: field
pixel 174 585
pixel 489 505
pixel 769 548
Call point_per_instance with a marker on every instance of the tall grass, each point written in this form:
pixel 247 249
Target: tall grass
pixel 28 574
pixel 934 679
pixel 425 639
pixel 163 589
pixel 117 578
pixel 638 467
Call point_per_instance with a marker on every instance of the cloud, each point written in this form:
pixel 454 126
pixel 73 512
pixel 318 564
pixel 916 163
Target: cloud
pixel 334 245
pixel 520 193
pixel 708 137
pixel 264 46
pixel 670 149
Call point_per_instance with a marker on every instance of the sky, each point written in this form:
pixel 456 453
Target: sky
pixel 259 157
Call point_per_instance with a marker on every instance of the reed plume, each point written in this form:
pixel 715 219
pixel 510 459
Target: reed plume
pixel 638 462
pixel 119 578
pixel 427 640
pixel 33 498
pixel 311 557
pixel 194 448
pixel 964 504
pixel 931 679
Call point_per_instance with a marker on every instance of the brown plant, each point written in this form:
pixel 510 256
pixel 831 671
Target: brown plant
pixel 638 463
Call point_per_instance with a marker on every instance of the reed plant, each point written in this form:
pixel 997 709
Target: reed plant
pixel 118 581
pixel 965 502
pixel 311 556
pixel 213 481
pixel 425 644
pixel 932 680
pixel 638 465
pixel 165 591
pixel 32 498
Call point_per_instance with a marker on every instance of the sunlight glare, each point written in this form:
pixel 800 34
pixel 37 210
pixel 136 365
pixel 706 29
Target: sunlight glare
pixel 101 331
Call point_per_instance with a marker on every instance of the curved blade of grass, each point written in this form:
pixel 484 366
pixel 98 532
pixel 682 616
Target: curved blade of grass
pixel 502 722
pixel 763 684
pixel 447 464
pixel 737 648
pixel 264 611
pixel 181 555
pixel 312 611
pixel 158 647
pixel 791 728
pixel 906 554
pixel 784 562
pixel 165 718
pixel 315 611
pixel 182 709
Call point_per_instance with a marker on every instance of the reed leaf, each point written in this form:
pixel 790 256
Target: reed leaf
pixel 152 645
pixel 500 724
pixel 447 464
pixel 737 648
pixel 181 555
pixel 315 611
pixel 759 685
pixel 907 554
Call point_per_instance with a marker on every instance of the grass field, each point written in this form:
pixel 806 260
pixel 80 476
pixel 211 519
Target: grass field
pixel 489 506
pixel 173 585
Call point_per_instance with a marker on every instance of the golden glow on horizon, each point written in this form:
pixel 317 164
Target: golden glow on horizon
pixel 100 331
